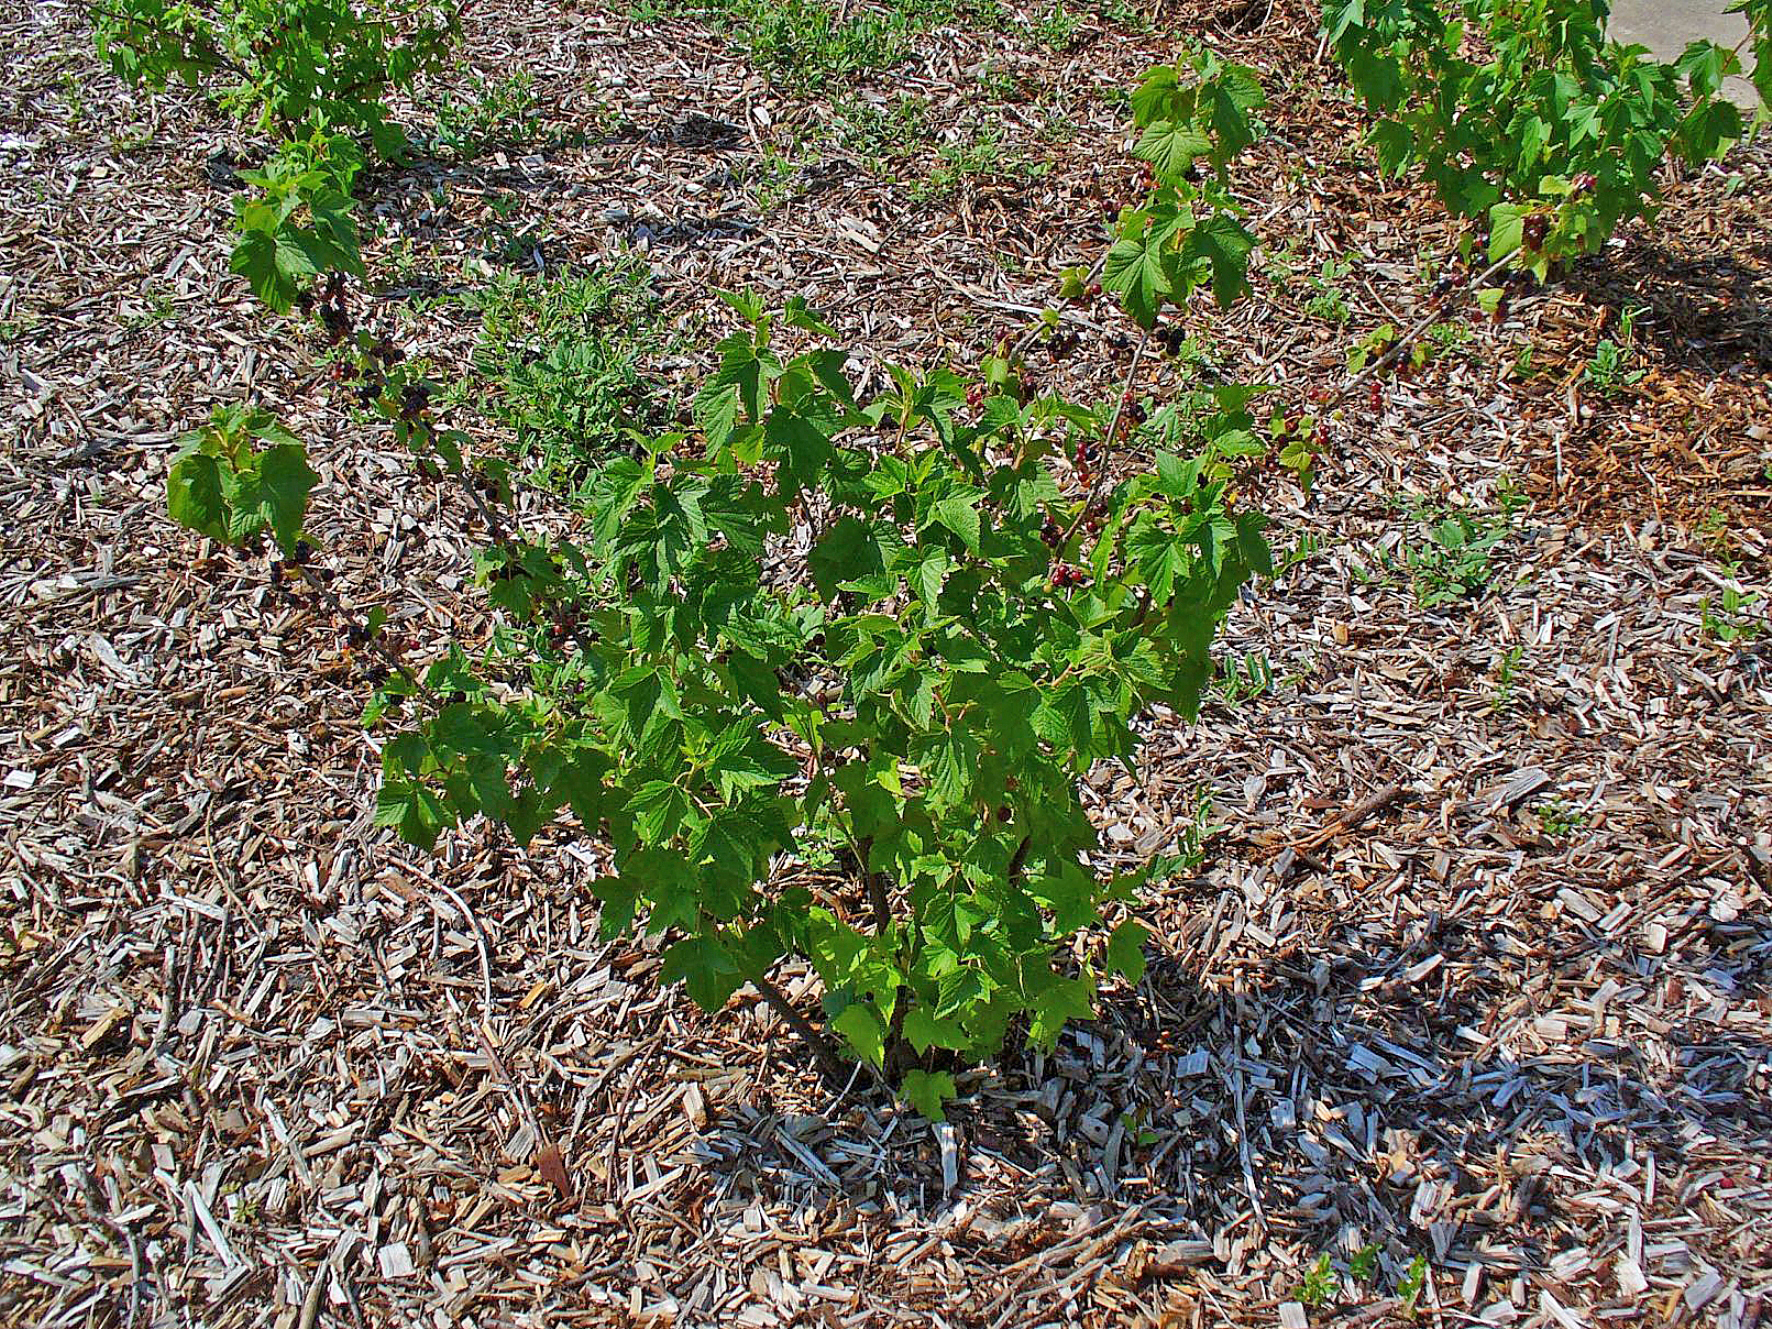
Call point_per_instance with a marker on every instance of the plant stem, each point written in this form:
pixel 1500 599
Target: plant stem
pixel 1027 338
pixel 1108 442
pixel 822 1050
pixel 878 900
pixel 1438 313
pixel 394 662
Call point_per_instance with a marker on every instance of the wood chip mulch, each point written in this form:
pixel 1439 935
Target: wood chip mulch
pixel 1474 966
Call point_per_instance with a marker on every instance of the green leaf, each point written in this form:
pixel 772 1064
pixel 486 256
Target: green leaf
pixel 716 411
pixel 257 258
pixel 960 515
pixel 284 482
pixel 924 1030
pixel 848 550
pixel 1066 999
pixel 864 1031
pixel 756 764
pixel 929 1092
pixel 658 807
pixel 1125 949
pixel 1172 148
pixel 194 496
pixel 1225 245
pixel 706 970
pixel 1507 229
pixel 1136 270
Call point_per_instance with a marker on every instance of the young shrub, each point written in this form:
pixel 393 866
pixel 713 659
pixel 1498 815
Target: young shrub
pixel 1530 117
pixel 816 629
pixel 284 66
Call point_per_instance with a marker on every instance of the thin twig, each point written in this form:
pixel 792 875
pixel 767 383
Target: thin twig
pixel 1113 428
pixel 479 940
pixel 1438 313
pixel 376 644
pixel 826 1055
pixel 1026 339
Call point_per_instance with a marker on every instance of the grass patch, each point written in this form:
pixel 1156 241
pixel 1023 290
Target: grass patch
pixel 882 137
pixel 983 156
pixel 560 363
pixel 806 46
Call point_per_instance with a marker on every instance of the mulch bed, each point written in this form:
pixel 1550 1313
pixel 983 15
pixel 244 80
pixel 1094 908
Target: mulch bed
pixel 1474 967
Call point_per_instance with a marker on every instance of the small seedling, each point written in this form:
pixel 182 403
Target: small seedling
pixel 1414 1282
pixel 1740 616
pixel 1319 1283
pixel 1455 560
pixel 492 115
pixel 1505 674
pixel 1557 818
pixel 1327 301
pixel 1610 369
pixel 1245 679
pixel 1057 28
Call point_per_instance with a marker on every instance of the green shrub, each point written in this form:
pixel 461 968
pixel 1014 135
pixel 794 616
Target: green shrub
pixel 1526 114
pixel 292 66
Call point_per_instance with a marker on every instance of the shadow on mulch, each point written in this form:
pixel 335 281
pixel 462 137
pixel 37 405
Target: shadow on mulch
pixel 1710 314
pixel 1316 1102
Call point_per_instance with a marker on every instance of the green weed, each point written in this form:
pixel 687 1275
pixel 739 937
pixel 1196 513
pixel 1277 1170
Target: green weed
pixel 806 46
pixel 979 157
pixel 492 115
pixel 1740 616
pixel 1610 369
pixel 563 360
pixel 1506 673
pixel 1556 818
pixel 1056 28
pixel 881 137
pixel 1454 558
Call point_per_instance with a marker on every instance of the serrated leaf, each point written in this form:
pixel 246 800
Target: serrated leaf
pixel 1137 271
pixel 929 1092
pixel 706 969
pixel 194 495
pixel 1507 229
pixel 284 482
pixel 1172 148
pixel 715 409
pixel 658 808
pixel 1225 245
pixel 850 549
pixel 863 1031
pixel 960 515
pixel 1125 949
pixel 923 1029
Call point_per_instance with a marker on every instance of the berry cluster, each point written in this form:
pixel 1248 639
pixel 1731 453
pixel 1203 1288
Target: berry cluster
pixel 1063 575
pixel 1082 456
pixel 563 625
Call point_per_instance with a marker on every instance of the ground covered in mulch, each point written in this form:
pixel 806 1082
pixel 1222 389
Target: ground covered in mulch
pixel 1470 981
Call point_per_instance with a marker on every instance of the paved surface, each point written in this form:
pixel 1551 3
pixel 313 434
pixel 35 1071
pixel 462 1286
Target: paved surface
pixel 1667 26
